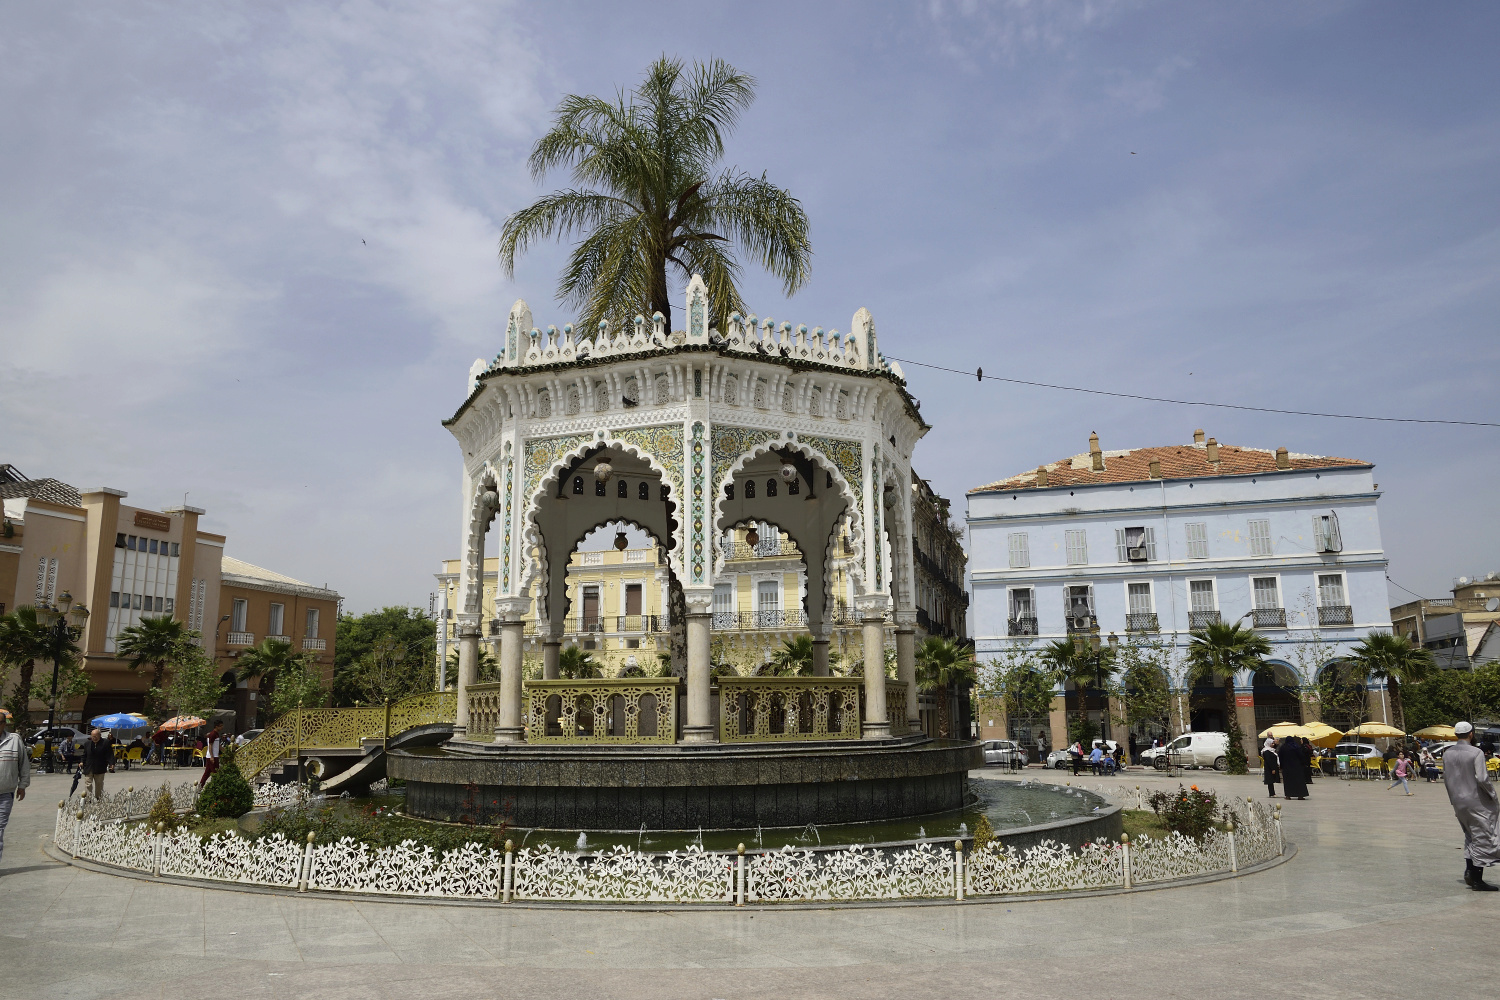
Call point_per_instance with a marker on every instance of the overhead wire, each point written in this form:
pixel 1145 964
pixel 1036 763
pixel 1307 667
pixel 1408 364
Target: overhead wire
pixel 979 374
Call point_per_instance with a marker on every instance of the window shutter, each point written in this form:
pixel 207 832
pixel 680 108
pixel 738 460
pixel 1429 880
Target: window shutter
pixel 1151 544
pixel 1320 534
pixel 1335 541
pixel 1120 553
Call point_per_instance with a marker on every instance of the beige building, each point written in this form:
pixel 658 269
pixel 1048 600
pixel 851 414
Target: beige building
pixel 1459 630
pixel 617 603
pixel 126 563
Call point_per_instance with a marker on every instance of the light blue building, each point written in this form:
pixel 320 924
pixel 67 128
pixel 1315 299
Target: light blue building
pixel 1150 543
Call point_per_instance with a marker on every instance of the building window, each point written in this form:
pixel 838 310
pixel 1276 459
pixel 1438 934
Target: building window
pixel 1135 544
pixel 768 597
pixel 238 615
pixel 1140 598
pixel 152 549
pixel 277 619
pixel 136 602
pixel 1022 603
pixel 1330 590
pixel 114 598
pixel 570 401
pixel 578 486
pixel 1079 605
pixel 1020 550
pixel 643 492
pixel 1202 594
pixel 632 599
pixel 130 543
pixel 770 487
pixel 1260 538
pixel 599 488
pixel 731 391
pixel 749 489
pixel 794 488
pixel 723 598
pixel 167 604
pixel 1267 597
pixel 543 403
pixel 120 540
pixel 622 492
pixel 311 631
pixel 728 491
pixel 1197 540
pixel 632 392
pixel 1326 537
pixel 1078 547
pixel 591 608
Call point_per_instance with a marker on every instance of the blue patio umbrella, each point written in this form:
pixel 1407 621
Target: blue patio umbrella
pixel 119 721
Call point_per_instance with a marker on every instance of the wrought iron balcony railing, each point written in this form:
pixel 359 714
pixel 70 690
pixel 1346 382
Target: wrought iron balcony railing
pixel 751 620
pixel 1142 621
pixel 1021 626
pixel 1336 614
pixel 1203 619
pixel 1268 617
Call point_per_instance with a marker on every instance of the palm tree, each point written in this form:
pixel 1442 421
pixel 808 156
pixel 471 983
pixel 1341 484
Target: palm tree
pixel 1397 661
pixel 23 641
pixel 1068 664
pixel 575 664
pixel 271 658
pixel 158 641
pixel 793 659
pixel 1223 650
pixel 486 668
pixel 649 197
pixel 943 665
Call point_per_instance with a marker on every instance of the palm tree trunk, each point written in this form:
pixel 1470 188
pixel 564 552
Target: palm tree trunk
pixel 1398 713
pixel 23 696
pixel 1229 708
pixel 660 300
pixel 943 712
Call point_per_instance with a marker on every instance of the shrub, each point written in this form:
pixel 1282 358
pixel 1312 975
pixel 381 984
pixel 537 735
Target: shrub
pixel 376 826
pixel 983 833
pixel 1188 811
pixel 162 814
pixel 227 793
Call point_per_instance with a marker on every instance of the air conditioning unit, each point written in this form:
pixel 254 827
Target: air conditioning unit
pixel 1137 554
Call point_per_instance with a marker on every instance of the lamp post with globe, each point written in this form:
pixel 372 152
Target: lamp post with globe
pixel 62 638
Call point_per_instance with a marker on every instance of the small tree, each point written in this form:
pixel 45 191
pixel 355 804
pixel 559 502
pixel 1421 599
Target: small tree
pixel 1024 685
pixel 195 686
pixel 299 685
pixel 163 813
pixel 1220 650
pixel 942 667
pixel 392 670
pixel 227 793
pixel 576 664
pixel 793 659
pixel 1397 661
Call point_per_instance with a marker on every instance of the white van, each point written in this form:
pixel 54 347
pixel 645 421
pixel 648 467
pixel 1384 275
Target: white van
pixel 1191 750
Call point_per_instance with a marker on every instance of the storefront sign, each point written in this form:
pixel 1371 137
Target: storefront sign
pixel 1244 701
pixel 156 522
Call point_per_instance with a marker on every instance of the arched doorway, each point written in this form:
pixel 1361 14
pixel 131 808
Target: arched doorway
pixel 1277 695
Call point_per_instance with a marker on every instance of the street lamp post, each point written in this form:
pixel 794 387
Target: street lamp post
pixel 60 635
pixel 1091 647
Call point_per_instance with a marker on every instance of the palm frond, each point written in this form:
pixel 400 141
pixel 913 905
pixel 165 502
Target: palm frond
pixel 767 221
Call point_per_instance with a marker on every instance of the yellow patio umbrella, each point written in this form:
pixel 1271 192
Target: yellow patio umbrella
pixel 1283 729
pixel 1324 735
pixel 1436 733
pixel 1375 729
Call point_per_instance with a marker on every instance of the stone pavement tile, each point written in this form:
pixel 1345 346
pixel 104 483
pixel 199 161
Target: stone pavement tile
pixel 425 934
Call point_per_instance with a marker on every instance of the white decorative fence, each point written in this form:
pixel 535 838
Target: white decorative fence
pixel 917 871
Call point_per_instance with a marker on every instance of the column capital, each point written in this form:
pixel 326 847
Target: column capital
pixel 906 621
pixel 872 606
pixel 699 600
pixel 511 609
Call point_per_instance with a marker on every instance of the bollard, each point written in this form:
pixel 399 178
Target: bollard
pixel 508 872
pixel 958 870
pixel 77 823
pixel 1138 805
pixel 1280 844
pixel 307 863
pixel 1234 863
pixel 739 878
pixel 1125 858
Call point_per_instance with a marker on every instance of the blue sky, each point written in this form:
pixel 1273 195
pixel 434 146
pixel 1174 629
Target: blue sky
pixel 249 249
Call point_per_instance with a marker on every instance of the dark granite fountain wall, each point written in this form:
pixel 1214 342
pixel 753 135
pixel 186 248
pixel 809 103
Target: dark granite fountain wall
pixel 683 787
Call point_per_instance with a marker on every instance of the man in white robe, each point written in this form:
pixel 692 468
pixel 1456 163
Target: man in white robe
pixel 1475 804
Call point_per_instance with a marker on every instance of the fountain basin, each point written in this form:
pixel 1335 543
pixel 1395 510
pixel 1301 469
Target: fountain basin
pixel 686 786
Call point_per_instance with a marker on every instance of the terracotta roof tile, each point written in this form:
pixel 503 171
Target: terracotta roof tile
pixel 1182 461
pixel 50 490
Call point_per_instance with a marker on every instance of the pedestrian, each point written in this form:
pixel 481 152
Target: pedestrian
pixel 1130 745
pixel 1475 805
pixel 1293 762
pixel 15 772
pixel 1400 770
pixel 1429 765
pixel 98 756
pixel 211 754
pixel 1309 754
pixel 68 753
pixel 1270 765
pixel 1076 753
pixel 1096 759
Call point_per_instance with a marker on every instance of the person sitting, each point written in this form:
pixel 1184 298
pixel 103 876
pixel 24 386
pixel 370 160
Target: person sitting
pixel 69 754
pixel 1096 759
pixel 1429 765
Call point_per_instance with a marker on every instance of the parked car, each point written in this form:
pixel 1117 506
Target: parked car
pixel 1191 750
pixel 1366 751
pixel 1004 753
pixel 59 733
pixel 247 736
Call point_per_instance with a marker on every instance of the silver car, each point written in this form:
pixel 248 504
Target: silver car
pixel 1004 753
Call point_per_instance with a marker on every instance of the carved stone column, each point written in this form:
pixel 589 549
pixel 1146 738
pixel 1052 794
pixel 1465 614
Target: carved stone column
pixel 551 653
pixel 468 667
pixel 906 663
pixel 877 724
pixel 699 727
pixel 512 636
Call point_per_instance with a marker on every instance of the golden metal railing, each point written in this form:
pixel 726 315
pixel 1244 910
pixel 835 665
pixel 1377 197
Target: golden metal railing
pixel 484 710
pixel 765 709
pixel 313 729
pixel 895 707
pixel 617 710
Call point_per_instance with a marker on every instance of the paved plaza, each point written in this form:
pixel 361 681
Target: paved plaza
pixel 1372 905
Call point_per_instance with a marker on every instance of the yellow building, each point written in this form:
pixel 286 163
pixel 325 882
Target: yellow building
pixel 618 606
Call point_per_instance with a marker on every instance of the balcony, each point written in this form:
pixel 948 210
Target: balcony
pixel 240 639
pixel 1203 619
pixel 1021 626
pixel 742 621
pixel 1142 621
pixel 1268 617
pixel 318 644
pixel 1081 623
pixel 1336 614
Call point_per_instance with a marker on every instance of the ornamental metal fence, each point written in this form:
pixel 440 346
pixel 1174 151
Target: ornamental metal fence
pixel 919 870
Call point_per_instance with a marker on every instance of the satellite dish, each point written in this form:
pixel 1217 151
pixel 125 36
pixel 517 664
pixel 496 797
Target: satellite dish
pixel 1463 581
pixel 1493 604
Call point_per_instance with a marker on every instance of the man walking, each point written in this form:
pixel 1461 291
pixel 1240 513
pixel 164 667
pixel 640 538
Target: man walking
pixel 211 747
pixel 1475 805
pixel 98 757
pixel 15 772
